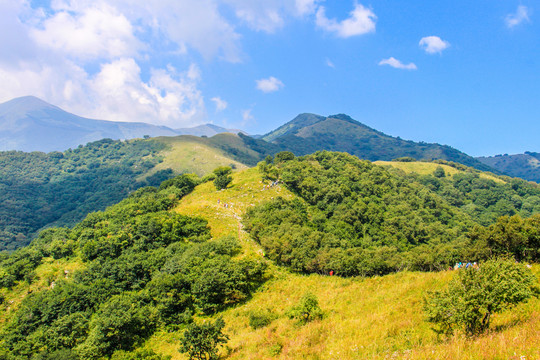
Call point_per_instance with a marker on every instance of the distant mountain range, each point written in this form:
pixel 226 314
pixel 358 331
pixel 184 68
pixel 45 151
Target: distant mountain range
pixel 30 124
pixel 525 166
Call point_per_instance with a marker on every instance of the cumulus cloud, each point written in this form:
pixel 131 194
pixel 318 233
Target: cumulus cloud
pixel 197 25
pixel 94 57
pixel 395 63
pixel 97 31
pixel 433 44
pixel 361 21
pixel 117 92
pixel 220 103
pixel 269 85
pixel 521 15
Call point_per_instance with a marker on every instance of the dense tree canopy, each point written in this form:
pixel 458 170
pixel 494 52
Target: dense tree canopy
pixel 145 268
pixel 60 188
pixel 355 218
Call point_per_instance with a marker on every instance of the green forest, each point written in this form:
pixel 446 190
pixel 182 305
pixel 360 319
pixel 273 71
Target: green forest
pixel 59 188
pixel 352 217
pixel 145 268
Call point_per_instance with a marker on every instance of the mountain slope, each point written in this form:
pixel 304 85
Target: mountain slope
pixel 364 318
pixel 308 133
pixel 38 189
pixel 205 130
pixel 30 124
pixel 525 166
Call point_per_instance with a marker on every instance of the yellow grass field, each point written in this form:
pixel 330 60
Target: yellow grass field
pixel 190 154
pixel 426 168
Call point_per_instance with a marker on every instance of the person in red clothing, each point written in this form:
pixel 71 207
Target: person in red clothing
pixel 331 272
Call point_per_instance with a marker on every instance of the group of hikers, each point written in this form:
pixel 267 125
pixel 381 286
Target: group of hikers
pixel 272 184
pixel 460 265
pixel 225 205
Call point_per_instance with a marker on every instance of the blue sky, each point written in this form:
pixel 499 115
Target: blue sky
pixel 462 73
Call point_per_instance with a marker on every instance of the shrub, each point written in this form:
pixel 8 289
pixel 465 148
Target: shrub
pixel 223 179
pixel 260 319
pixel 307 309
pixel 474 295
pixel 202 342
pixel 439 172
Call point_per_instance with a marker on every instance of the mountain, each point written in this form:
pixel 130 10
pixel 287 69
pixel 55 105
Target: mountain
pixel 129 282
pixel 308 133
pixel 30 124
pixel 39 190
pixel 525 166
pixel 208 130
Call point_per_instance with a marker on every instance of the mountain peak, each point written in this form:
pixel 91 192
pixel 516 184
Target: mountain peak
pixel 344 117
pixel 24 104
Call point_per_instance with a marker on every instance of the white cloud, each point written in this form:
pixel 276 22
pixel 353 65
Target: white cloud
pixel 304 7
pixel 188 24
pixel 329 63
pixel 220 103
pixel 521 15
pixel 361 21
pixel 269 16
pixel 433 44
pixel 98 31
pixel 395 63
pixel 269 85
pixel 15 42
pixel 247 117
pixel 94 57
pixel 167 98
pixel 117 92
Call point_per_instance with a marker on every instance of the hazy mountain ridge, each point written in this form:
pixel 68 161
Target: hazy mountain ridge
pixel 30 124
pixel 525 166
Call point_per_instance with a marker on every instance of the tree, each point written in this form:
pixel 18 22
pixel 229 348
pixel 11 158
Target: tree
pixel 307 310
pixel 223 178
pixel 201 342
pixel 474 295
pixel 439 172
pixel 283 156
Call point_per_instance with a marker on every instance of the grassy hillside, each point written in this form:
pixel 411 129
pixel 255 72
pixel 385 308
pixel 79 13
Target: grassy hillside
pixel 38 190
pixel 192 154
pixel 428 168
pixel 364 318
pixel 373 318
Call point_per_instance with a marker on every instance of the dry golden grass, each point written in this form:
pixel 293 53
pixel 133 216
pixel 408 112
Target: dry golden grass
pixel 224 208
pixel 426 168
pixel 190 154
pixel 373 318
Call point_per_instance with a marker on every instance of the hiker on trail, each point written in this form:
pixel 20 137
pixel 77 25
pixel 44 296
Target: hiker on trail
pixel 331 272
